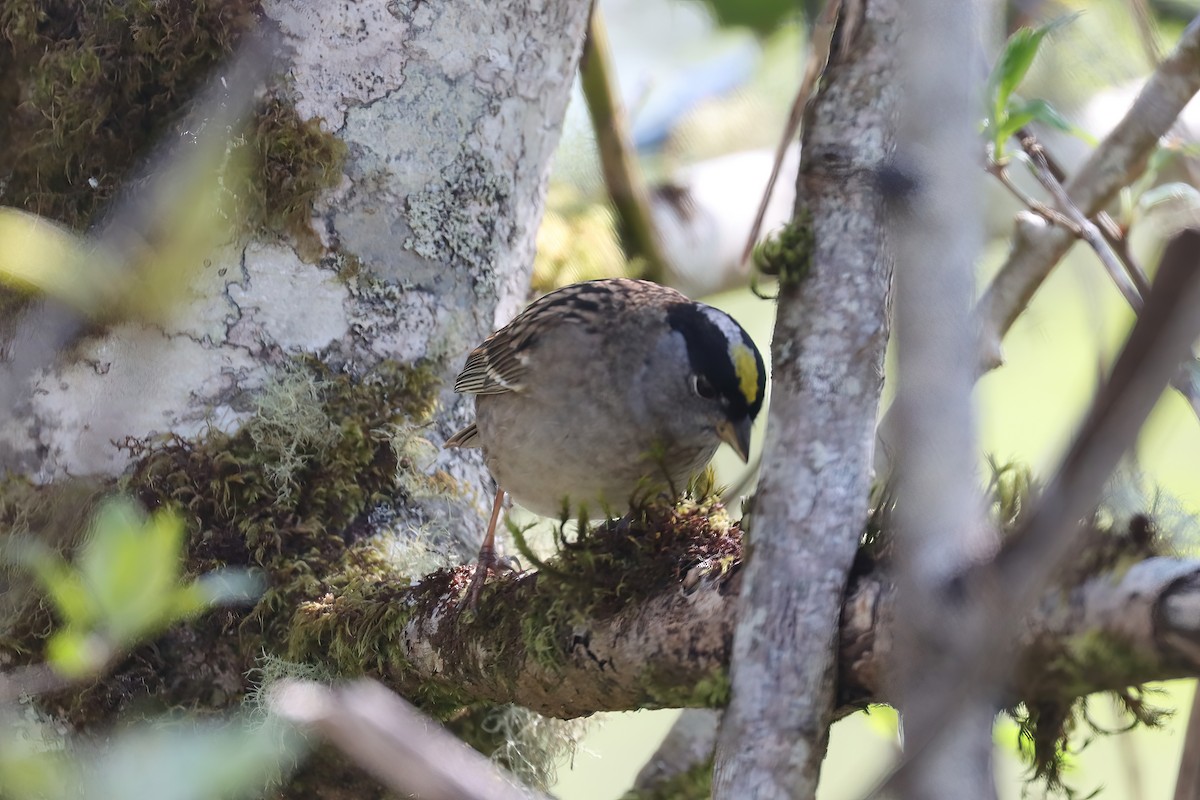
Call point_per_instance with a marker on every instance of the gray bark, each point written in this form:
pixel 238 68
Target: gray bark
pixel 938 233
pixel 827 372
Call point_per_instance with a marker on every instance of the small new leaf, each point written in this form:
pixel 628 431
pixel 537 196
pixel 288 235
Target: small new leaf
pixel 1005 117
pixel 1019 52
pixel 126 585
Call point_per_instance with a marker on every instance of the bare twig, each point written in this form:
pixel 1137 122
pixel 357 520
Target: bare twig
pixel 1000 171
pixel 622 176
pixel 1112 232
pixel 820 40
pixel 1117 270
pixel 410 753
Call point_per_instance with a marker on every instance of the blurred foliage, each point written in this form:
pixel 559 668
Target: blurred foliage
pixel 762 16
pixel 125 585
pixel 158 760
pixel 1006 113
pixel 577 241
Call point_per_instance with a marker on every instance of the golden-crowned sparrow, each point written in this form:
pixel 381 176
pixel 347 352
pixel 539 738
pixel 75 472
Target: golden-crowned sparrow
pixel 603 393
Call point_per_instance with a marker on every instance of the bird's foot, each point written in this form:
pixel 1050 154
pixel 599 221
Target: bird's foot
pixel 487 563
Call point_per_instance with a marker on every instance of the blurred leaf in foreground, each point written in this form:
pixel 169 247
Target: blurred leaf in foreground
pixel 126 584
pixel 178 760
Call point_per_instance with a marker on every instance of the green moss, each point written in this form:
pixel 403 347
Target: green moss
pixel 694 784
pixel 600 570
pixel 788 253
pixel 667 691
pixel 305 527
pixel 93 84
pixel 340 464
pixel 298 160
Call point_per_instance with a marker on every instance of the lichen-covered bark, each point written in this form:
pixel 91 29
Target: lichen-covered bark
pixel 362 292
pixel 449 113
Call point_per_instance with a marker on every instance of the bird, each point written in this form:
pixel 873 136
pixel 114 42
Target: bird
pixel 602 393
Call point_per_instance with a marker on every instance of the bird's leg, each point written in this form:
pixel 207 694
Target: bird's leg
pixel 487 555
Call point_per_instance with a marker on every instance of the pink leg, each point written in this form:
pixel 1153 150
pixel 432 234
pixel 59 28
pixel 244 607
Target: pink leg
pixel 487 555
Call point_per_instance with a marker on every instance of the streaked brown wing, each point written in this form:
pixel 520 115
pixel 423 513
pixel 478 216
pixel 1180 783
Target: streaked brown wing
pixel 467 437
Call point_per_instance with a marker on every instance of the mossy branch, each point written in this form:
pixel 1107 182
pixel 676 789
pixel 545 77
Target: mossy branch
pixel 574 655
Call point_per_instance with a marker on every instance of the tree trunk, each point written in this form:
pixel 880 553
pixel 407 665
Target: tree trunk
pixel 449 115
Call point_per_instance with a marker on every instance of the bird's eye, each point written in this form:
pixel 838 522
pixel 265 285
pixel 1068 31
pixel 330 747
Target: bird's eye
pixel 703 388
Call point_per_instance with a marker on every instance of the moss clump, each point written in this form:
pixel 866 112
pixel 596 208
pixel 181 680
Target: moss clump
pixel 603 569
pixel 297 160
pixel 92 85
pixel 308 540
pixel 788 253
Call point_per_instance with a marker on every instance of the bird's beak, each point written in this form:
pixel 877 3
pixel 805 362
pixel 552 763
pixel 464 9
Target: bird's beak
pixel 736 435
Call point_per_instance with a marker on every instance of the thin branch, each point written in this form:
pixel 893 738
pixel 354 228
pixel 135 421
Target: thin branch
pixel 407 751
pixel 622 175
pixel 820 40
pixel 1037 246
pixel 1111 230
pixel 1000 172
pixel 1118 271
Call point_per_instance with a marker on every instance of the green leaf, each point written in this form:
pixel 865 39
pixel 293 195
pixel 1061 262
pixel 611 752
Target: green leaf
pixel 74 652
pixel 192 761
pixel 1003 119
pixel 1019 52
pixel 132 567
pixel 66 590
pixel 126 585
pixel 1021 113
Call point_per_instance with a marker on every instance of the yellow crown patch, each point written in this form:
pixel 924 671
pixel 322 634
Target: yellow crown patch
pixel 746 367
